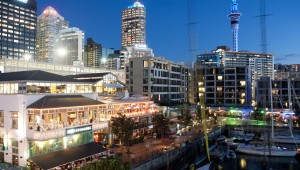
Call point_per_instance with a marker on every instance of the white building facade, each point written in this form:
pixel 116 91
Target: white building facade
pixel 42 113
pixel 69 47
pixel 134 52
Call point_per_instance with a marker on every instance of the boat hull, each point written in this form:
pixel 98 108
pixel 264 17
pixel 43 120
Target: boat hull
pixel 265 151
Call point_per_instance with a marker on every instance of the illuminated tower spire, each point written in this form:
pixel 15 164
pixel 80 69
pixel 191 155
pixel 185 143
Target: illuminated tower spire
pixel 234 17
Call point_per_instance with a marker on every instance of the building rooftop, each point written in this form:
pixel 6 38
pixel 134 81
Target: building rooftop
pixel 63 101
pixel 54 159
pixel 92 77
pixel 136 4
pixel 34 75
pixel 127 100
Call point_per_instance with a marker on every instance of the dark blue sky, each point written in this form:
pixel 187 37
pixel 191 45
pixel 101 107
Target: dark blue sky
pixel 167 32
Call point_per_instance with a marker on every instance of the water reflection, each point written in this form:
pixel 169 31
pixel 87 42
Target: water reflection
pixel 250 162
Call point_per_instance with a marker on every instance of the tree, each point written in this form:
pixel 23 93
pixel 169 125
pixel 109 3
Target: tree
pixel 110 163
pixel 160 124
pixel 123 127
pixel 257 114
pixel 198 112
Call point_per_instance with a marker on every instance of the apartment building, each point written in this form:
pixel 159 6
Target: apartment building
pixel 156 78
pixel 226 86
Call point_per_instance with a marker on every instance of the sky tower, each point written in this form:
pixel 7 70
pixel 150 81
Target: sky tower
pixel 234 17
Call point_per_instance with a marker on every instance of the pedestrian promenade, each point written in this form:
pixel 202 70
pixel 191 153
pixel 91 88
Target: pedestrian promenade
pixel 151 148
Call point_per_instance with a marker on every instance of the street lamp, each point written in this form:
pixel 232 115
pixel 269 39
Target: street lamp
pixel 27 57
pixel 103 61
pixel 62 52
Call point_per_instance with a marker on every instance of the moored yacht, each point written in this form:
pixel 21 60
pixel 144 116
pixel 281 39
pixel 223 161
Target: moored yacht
pixel 265 150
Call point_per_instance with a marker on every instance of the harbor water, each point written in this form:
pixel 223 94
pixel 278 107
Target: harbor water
pixel 252 162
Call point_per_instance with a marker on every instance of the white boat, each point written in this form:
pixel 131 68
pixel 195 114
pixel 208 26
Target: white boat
pixel 288 136
pixel 230 154
pixel 265 150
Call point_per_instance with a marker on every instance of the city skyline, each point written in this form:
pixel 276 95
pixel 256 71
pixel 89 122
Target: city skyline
pixel 171 41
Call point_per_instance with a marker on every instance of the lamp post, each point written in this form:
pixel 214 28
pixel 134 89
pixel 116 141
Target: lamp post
pixel 62 53
pixel 103 62
pixel 27 57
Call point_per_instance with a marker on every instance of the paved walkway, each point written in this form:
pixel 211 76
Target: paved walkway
pixel 151 148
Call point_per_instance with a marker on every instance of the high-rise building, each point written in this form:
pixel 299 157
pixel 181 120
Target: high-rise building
pixel 260 64
pixel 49 23
pixel 134 25
pixel 234 17
pixel 69 47
pixel 93 54
pixel 17 28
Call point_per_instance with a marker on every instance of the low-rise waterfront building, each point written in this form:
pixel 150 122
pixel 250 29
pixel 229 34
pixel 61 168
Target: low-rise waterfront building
pixel 42 114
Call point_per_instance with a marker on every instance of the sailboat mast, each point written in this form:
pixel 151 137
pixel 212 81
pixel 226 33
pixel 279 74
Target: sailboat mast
pixel 289 95
pixel 290 102
pixel 271 102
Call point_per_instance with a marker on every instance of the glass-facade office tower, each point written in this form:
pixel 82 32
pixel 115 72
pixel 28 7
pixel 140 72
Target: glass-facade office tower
pixel 17 28
pixel 49 23
pixel 134 25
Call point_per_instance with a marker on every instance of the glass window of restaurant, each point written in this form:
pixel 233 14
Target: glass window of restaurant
pixel 38 88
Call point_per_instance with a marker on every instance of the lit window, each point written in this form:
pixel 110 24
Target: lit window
pixel 243 83
pixel 14 118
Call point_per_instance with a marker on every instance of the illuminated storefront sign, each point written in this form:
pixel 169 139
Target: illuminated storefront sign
pixel 76 130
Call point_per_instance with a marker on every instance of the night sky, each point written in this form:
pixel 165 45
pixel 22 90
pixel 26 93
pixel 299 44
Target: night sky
pixel 167 29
